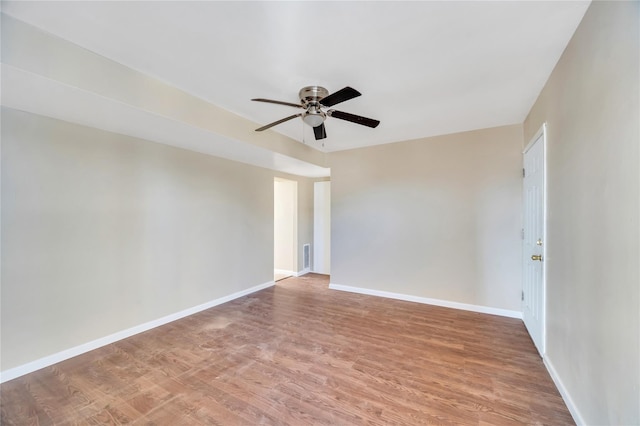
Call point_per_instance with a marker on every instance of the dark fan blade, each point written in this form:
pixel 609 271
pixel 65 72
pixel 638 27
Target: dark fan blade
pixel 340 96
pixel 320 132
pixel 277 102
pixel 275 123
pixel 369 122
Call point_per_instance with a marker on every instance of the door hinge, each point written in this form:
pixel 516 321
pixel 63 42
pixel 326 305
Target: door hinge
pixel 524 174
pixel 522 233
pixel 522 295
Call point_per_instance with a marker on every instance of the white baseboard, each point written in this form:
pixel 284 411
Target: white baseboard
pixel 428 301
pixel 38 364
pixel 577 417
pixel 292 273
pixel 303 272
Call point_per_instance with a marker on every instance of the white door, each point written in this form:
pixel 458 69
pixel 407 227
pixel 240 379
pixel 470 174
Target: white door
pixel 533 282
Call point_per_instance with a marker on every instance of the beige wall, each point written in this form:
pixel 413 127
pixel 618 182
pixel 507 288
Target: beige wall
pixel 590 104
pixel 102 232
pixel 436 218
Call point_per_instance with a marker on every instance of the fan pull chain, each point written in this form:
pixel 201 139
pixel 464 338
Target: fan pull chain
pixel 303 139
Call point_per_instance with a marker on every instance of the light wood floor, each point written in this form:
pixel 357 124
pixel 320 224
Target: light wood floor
pixel 299 354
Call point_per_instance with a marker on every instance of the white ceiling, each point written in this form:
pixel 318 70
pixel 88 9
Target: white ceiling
pixel 424 68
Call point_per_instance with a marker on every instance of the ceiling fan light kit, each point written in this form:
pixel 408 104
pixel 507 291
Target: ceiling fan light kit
pixel 312 100
pixel 314 116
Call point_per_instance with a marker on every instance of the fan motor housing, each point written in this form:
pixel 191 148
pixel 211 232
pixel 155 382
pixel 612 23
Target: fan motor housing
pixel 312 94
pixel 314 99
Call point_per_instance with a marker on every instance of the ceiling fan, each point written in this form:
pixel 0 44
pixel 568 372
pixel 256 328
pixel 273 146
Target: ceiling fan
pixel 313 99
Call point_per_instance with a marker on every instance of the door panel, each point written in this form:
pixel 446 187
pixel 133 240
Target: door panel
pixel 533 291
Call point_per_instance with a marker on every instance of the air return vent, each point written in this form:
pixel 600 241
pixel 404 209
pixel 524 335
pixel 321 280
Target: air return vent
pixel 306 255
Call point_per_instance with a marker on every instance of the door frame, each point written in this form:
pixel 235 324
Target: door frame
pixel 541 135
pixel 287 202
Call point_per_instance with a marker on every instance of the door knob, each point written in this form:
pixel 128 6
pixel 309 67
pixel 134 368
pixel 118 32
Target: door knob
pixel 536 257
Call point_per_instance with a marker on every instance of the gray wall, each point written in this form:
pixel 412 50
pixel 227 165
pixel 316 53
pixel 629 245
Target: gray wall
pixel 436 218
pixel 102 232
pixel 590 104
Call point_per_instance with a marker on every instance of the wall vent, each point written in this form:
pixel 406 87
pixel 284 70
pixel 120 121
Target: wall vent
pixel 306 256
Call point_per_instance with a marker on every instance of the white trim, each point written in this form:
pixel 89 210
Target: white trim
pixel 429 301
pixel 285 272
pixel 573 409
pixel 303 272
pixel 542 131
pixel 32 366
pixel 291 273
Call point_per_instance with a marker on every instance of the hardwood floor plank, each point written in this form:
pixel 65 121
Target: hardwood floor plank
pixel 301 354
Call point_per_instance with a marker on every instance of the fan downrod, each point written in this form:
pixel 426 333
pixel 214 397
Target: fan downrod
pixel 311 95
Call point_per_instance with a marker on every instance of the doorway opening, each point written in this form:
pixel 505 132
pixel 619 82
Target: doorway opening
pixel 285 228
